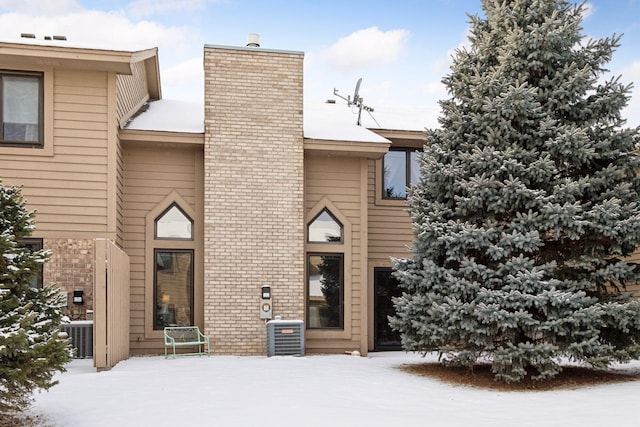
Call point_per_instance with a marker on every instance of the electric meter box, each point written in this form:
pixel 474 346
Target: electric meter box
pixel 266 309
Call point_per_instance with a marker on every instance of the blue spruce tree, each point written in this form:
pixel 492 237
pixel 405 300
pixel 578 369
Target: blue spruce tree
pixel 528 203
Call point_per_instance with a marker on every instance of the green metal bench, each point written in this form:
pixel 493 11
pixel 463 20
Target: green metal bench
pixel 184 336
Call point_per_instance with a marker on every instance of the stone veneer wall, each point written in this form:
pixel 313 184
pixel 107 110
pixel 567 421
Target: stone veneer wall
pixel 253 202
pixel 70 268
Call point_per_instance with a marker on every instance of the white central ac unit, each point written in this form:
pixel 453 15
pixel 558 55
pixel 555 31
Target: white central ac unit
pixel 285 338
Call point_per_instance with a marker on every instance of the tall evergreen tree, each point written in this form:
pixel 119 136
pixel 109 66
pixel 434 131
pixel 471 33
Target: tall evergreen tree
pixel 30 318
pixel 528 203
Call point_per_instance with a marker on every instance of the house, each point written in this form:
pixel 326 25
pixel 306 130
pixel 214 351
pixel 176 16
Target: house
pixel 164 212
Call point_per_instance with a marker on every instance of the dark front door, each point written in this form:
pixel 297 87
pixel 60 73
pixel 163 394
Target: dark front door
pixel 385 287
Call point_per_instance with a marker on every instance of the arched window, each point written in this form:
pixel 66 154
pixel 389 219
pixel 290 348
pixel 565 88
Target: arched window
pixel 174 224
pixel 325 228
pixel 173 269
pixel 325 272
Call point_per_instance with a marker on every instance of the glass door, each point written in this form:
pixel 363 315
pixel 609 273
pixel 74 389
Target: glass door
pixel 385 287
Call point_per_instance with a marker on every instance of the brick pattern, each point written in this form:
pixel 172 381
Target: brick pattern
pixel 70 267
pixel 253 199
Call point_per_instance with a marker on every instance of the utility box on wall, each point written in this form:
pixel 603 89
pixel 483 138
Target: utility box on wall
pixel 266 309
pixel 285 337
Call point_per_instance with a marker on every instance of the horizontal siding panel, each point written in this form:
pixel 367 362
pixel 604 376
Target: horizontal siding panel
pixel 55 214
pixel 54 211
pixel 145 199
pixel 81 125
pixel 151 162
pixel 81 116
pixel 81 99
pixel 137 292
pixel 159 185
pixel 56 163
pixel 80 108
pixel 331 346
pixel 68 202
pixel 134 233
pixel 72 141
pixel 160 175
pixel 345 193
pixel 77 150
pixel 100 135
pixel 78 187
pixel 61 176
pixel 80 79
pixel 314 175
pixel 392 230
pixel 67 227
pixel 77 90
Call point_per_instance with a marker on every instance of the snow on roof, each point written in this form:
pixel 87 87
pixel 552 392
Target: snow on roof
pixel 323 121
pixel 402 117
pixel 167 115
pixel 336 122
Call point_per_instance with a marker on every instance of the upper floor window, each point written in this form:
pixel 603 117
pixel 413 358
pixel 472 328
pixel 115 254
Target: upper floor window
pixel 173 223
pixel 400 170
pixel 21 109
pixel 325 228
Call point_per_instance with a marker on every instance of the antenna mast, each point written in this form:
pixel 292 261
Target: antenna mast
pixel 356 101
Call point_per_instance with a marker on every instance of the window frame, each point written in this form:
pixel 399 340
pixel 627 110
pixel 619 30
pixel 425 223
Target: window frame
pixel 34 245
pixel 171 244
pixel 345 249
pixel 40 76
pixel 341 320
pixel 323 242
pixel 408 152
pixel 155 325
pixel 164 212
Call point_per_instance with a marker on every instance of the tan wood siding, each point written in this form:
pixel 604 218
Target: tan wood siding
pixel 119 195
pixel 68 189
pixel 338 179
pixel 131 92
pixel 111 305
pixel 390 229
pixel 634 288
pixel 150 174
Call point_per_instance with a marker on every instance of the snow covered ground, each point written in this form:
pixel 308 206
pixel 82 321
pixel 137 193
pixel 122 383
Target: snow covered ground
pixel 337 390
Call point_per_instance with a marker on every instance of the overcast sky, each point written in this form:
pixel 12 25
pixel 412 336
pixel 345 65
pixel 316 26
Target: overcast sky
pixel 400 48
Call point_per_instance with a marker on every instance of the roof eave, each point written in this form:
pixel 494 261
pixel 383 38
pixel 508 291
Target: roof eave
pixel 369 150
pixel 73 58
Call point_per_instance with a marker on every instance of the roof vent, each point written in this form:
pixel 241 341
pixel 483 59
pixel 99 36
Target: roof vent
pixel 55 38
pixel 253 40
pixel 27 35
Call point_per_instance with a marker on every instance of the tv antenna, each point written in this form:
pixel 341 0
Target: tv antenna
pixel 357 101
